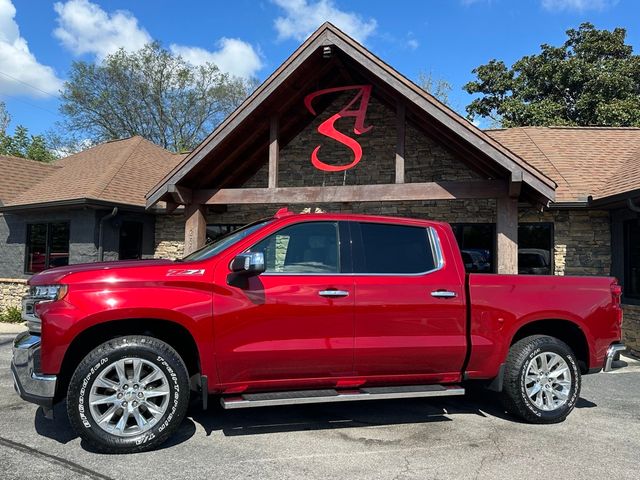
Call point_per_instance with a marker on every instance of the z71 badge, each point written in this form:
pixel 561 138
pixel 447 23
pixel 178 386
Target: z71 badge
pixel 183 272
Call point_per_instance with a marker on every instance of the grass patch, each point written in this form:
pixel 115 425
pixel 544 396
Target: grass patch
pixel 11 315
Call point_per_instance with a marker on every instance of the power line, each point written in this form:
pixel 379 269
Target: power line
pixel 34 106
pixel 49 94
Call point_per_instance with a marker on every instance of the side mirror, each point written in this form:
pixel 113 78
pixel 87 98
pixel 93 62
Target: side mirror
pixel 248 264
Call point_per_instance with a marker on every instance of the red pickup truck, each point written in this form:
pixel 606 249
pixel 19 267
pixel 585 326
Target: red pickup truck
pixel 303 309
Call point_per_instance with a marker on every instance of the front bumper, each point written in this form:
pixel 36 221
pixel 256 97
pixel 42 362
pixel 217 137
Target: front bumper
pixel 613 355
pixel 30 384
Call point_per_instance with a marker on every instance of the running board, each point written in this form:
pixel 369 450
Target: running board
pixel 249 400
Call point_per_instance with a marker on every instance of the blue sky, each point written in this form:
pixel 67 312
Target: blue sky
pixel 39 39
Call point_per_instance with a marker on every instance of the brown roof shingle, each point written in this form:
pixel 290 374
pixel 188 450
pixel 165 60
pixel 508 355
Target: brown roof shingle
pixel 18 174
pixel 120 171
pixel 583 161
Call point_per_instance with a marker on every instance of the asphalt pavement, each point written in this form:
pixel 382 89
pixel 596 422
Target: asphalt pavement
pixel 462 437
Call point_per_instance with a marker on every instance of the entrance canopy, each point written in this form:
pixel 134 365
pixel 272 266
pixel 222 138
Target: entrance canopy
pixel 331 67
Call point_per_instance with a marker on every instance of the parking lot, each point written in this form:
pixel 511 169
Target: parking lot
pixel 466 437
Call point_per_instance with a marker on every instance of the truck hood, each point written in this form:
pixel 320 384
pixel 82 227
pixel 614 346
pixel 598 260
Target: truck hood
pixel 55 275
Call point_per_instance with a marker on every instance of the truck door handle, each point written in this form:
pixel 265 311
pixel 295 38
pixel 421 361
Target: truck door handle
pixel 443 294
pixel 333 293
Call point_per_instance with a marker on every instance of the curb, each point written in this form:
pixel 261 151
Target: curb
pixel 11 328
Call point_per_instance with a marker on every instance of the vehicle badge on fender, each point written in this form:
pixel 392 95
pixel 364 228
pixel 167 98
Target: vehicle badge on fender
pixel 182 272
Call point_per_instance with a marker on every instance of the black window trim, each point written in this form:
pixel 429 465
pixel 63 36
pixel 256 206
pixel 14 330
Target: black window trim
pixel 434 243
pixel 633 299
pixel 47 247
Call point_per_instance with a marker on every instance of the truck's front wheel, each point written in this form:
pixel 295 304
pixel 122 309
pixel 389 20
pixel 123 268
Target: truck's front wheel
pixel 542 380
pixel 128 394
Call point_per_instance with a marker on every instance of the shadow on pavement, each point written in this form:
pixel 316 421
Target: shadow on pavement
pixel 293 418
pixel 344 415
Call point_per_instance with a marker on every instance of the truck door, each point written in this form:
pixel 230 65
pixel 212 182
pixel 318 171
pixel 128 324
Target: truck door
pixel 295 321
pixel 410 308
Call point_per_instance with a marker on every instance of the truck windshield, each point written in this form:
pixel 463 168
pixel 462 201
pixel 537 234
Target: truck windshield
pixel 221 244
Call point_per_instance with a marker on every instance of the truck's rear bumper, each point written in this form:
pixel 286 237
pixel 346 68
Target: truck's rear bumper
pixel 613 354
pixel 30 384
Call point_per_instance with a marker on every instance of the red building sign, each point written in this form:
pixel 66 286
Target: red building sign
pixel 328 129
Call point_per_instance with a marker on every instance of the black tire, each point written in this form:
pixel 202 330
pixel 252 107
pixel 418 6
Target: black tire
pixel 514 393
pixel 149 349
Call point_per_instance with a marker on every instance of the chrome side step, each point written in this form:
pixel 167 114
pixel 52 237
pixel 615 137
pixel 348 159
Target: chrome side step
pixel 249 400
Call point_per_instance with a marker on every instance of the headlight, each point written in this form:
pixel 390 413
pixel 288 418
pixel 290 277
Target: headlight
pixel 48 292
pixel 39 294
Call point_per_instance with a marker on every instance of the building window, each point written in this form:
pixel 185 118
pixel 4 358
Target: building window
pixel 535 248
pixel 477 245
pixel 632 259
pixel 215 231
pixel 47 246
pixel 130 247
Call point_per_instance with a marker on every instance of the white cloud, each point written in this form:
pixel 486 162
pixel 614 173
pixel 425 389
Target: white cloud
pixel 21 74
pixel 577 5
pixel 302 17
pixel 233 56
pixel 84 27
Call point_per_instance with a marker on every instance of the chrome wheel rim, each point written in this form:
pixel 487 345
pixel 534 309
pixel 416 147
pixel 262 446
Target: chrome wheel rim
pixel 129 397
pixel 548 381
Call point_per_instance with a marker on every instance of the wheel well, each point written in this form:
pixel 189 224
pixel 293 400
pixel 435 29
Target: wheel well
pixel 172 333
pixel 564 330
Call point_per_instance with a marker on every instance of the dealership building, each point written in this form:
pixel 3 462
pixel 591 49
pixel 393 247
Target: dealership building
pixel 334 128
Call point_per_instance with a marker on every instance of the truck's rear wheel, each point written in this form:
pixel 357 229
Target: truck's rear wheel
pixel 542 380
pixel 128 394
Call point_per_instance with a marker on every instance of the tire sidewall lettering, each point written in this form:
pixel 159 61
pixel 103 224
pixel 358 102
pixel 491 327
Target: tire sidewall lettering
pixel 575 383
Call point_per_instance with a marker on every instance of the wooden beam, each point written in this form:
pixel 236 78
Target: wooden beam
pixel 195 228
pixel 356 193
pixel 400 129
pixel 507 233
pixel 274 152
pixel 180 195
pixel 515 184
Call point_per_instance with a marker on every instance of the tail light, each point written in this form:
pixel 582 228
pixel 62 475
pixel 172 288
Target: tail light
pixel 616 294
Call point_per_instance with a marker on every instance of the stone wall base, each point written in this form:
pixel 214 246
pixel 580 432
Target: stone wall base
pixel 631 329
pixel 11 292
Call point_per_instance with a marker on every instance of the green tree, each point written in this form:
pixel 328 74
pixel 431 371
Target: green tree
pixel 21 144
pixel 151 93
pixel 591 79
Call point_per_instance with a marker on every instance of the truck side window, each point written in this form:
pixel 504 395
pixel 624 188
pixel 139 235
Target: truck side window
pixel 395 249
pixel 310 247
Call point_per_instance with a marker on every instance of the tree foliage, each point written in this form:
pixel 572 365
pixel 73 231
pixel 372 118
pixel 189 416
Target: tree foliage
pixel 437 87
pixel 593 79
pixel 151 93
pixel 21 144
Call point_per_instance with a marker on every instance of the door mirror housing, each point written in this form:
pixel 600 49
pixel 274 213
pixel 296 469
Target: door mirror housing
pixel 248 264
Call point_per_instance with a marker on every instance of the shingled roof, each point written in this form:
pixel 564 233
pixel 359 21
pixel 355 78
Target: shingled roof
pixel 119 172
pixel 597 162
pixel 18 174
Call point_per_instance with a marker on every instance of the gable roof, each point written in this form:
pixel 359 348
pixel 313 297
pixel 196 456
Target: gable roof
pixel 19 174
pixel 596 162
pixel 118 172
pixel 424 103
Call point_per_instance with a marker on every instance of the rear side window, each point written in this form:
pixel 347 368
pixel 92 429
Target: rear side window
pixel 310 247
pixel 394 249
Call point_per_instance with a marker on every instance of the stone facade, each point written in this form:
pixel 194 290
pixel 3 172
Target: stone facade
pixel 631 328
pixel 582 240
pixel 169 237
pixel 11 292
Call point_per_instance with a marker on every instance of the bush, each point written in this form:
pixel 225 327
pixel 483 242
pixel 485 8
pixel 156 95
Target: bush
pixel 11 315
